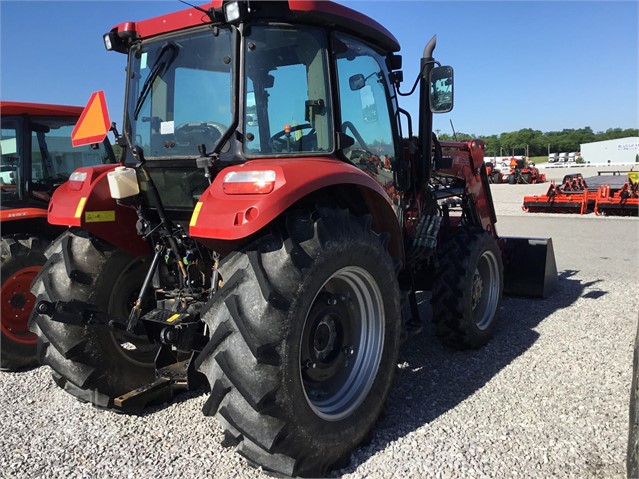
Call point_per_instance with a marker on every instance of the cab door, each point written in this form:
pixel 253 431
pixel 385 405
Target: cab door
pixel 367 110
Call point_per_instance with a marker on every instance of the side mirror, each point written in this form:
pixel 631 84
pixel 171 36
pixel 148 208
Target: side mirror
pixel 357 82
pixel 441 89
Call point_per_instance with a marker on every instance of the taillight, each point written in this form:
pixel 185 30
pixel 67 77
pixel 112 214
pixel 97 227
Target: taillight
pixel 77 179
pixel 249 182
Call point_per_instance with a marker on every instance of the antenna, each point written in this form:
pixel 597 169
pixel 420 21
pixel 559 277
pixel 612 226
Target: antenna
pixel 209 13
pixel 454 134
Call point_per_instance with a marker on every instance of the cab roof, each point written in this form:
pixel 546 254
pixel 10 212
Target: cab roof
pixel 321 13
pixel 38 109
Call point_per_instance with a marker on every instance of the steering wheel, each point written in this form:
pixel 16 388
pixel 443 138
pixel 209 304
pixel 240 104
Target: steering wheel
pixel 280 144
pixel 347 125
pixel 193 134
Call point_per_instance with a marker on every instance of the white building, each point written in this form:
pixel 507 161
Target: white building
pixel 621 150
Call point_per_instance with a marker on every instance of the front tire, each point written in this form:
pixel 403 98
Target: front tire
pixel 94 364
pixel 304 341
pixel 21 258
pixel 468 289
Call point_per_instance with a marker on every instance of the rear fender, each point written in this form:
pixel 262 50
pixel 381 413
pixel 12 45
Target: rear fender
pixel 219 216
pixel 88 205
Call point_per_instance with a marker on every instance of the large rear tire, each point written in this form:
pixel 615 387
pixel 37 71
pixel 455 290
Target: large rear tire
pixel 304 341
pixel 468 288
pixel 21 258
pixel 512 179
pixel 92 363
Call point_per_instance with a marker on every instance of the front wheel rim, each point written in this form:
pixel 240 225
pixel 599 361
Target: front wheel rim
pixel 485 290
pixel 342 343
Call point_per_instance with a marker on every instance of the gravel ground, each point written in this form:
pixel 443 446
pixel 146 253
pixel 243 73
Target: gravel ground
pixel 547 397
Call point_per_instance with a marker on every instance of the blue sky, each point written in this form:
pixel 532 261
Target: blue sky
pixel 518 64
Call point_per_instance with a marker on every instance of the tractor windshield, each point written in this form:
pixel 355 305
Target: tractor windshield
pixel 180 93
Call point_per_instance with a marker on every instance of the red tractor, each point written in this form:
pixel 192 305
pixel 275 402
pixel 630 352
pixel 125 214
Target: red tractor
pixel 494 174
pixel 522 172
pixel 36 157
pixel 254 240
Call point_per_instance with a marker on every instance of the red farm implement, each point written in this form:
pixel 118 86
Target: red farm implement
pixel 571 196
pixel 603 195
pixel 622 201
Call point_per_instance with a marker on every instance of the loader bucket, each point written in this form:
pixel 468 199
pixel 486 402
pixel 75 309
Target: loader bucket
pixel 529 266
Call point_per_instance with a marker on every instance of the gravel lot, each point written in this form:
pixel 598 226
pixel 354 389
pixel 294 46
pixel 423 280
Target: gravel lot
pixel 548 396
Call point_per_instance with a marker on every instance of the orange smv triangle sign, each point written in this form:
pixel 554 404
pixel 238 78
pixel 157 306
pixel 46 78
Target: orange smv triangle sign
pixel 94 123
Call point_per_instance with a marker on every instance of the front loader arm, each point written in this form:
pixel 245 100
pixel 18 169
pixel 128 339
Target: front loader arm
pixel 465 161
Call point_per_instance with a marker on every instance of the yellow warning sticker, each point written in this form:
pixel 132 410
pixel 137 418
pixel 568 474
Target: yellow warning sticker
pixel 196 213
pixel 80 208
pixel 99 216
pixel 173 318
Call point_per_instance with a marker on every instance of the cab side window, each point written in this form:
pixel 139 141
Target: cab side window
pixel 287 95
pixel 366 114
pixel 10 164
pixel 53 158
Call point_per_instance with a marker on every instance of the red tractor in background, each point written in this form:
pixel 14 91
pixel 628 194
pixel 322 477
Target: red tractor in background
pixel 36 157
pixel 494 174
pixel 253 239
pixel 522 172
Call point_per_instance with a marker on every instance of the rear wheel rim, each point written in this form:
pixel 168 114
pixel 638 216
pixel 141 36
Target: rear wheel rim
pixel 17 303
pixel 139 351
pixel 485 290
pixel 342 343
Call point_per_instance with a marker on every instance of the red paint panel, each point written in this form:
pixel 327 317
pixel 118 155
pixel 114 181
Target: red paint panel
pixel 312 11
pixel 231 217
pixel 63 210
pixel 38 109
pixel 22 214
pixel 170 22
pixel 331 9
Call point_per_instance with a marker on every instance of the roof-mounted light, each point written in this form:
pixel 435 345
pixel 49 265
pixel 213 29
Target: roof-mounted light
pixel 120 38
pixel 107 42
pixel 234 12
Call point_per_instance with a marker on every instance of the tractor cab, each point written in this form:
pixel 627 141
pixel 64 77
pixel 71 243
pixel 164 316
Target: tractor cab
pixel 36 152
pixel 276 80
